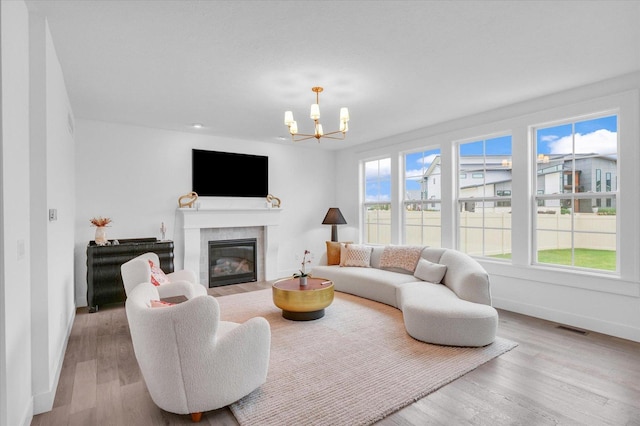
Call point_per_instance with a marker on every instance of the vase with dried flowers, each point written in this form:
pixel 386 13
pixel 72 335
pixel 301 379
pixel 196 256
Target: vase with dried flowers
pixel 302 275
pixel 101 235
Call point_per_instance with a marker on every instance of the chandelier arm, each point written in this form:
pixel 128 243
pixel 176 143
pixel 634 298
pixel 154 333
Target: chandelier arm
pixel 333 137
pixel 344 134
pixel 293 137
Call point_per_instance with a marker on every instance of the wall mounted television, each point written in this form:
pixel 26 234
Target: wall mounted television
pixel 228 174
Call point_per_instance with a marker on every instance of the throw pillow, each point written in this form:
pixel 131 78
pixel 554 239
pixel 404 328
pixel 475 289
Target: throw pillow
pixel 157 275
pixel 357 255
pixel 429 271
pixel 160 304
pixel 334 251
pixel 402 257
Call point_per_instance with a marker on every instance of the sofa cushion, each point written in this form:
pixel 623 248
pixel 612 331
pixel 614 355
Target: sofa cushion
pixel 429 271
pixel 400 257
pixel 334 249
pixel 433 313
pixel 370 283
pixel 158 276
pixel 357 255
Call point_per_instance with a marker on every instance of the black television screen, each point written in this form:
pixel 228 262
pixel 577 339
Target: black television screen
pixel 228 174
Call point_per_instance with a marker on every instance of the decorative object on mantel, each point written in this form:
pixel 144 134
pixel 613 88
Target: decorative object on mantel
pixel 334 218
pixel 101 235
pixel 187 200
pixel 163 230
pixel 303 272
pixel 273 200
pixel 315 116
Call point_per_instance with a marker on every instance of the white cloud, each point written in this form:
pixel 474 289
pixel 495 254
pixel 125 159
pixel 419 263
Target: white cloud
pixel 414 174
pixel 377 169
pixel 426 161
pixel 599 142
pixel 549 138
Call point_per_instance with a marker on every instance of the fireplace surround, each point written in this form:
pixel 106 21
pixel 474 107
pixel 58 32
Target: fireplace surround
pixel 198 222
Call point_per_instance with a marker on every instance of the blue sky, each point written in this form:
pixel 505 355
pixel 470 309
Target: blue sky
pixel 599 136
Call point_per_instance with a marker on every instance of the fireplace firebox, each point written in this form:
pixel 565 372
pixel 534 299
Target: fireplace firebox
pixel 232 262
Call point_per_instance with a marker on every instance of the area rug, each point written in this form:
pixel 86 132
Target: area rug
pixel 354 366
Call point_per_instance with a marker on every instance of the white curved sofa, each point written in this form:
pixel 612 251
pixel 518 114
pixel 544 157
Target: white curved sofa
pixel 456 311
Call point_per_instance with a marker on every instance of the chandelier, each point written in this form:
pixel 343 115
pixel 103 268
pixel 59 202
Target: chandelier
pixel 315 116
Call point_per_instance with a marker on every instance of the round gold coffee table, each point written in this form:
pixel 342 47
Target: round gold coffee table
pixel 302 303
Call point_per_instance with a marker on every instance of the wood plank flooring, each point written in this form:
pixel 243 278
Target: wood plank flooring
pixel 555 376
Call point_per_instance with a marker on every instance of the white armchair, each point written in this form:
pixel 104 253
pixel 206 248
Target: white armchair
pixel 190 360
pixel 182 283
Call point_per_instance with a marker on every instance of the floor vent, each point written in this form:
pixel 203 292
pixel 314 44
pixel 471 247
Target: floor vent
pixel 573 330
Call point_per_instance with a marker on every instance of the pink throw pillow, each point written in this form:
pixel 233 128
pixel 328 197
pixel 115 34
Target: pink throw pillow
pixel 157 275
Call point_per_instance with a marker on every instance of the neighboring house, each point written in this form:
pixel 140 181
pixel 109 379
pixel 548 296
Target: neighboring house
pixel 593 173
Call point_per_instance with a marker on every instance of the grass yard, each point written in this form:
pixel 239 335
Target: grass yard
pixel 584 258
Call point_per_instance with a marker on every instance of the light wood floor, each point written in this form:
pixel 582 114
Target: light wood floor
pixel 555 376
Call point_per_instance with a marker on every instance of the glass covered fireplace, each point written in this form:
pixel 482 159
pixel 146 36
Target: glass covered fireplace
pixel 232 261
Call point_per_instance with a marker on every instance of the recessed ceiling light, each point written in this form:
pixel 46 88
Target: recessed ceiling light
pixel 197 125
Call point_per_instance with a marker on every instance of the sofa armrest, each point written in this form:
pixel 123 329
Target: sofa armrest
pixel 466 277
pixel 183 275
pixel 181 288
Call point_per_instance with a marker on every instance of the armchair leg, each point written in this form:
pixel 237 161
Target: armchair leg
pixel 196 417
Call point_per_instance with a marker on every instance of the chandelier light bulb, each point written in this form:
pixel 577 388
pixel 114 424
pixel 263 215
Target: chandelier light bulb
pixel 315 112
pixel 293 128
pixel 344 114
pixel 288 118
pixel 319 130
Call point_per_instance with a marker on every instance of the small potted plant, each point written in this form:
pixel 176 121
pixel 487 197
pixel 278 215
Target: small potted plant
pixel 302 275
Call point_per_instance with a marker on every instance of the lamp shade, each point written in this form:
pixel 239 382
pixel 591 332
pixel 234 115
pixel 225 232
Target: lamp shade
pixel 334 217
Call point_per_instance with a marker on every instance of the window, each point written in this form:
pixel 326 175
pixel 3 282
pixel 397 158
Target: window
pixel 377 201
pixel 572 229
pixel 422 198
pixel 484 200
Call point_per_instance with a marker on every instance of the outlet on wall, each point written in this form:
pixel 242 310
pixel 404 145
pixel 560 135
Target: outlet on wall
pixel 53 215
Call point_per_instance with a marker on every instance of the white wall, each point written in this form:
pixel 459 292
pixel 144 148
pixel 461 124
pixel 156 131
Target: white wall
pixel 52 241
pixel 135 175
pixel 599 302
pixel 15 311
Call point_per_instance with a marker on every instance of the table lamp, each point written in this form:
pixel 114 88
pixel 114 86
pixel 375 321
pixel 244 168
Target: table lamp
pixel 334 218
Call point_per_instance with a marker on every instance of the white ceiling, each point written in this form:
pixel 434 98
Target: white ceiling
pixel 236 66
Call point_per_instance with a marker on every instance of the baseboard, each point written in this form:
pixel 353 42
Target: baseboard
pixel 587 323
pixel 43 402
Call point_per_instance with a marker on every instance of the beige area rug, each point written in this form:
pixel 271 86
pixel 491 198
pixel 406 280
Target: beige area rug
pixel 354 366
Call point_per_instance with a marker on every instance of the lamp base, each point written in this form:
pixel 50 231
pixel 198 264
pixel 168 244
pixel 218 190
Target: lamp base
pixel 334 232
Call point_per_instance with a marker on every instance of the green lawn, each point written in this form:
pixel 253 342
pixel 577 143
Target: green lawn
pixel 584 258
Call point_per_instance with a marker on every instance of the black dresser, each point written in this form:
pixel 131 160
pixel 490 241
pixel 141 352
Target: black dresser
pixel 104 280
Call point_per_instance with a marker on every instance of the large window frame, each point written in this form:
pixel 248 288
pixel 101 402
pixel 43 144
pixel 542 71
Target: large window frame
pixel 484 218
pixel 422 208
pixel 376 208
pixel 582 222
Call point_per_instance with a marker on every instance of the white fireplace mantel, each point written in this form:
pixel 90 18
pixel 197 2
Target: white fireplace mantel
pixel 194 220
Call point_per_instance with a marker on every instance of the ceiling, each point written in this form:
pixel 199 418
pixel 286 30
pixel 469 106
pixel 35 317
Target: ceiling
pixel 236 66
